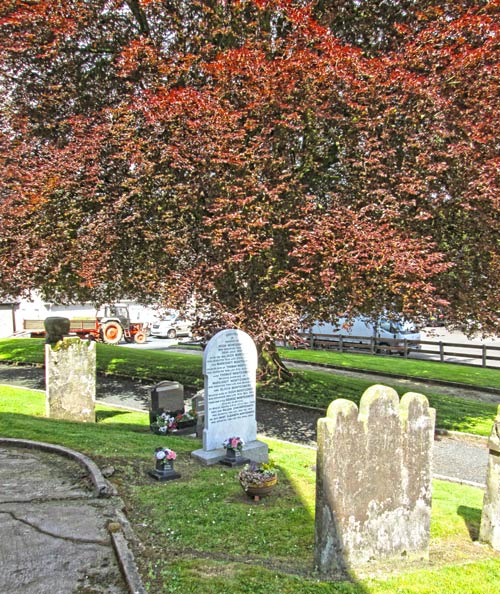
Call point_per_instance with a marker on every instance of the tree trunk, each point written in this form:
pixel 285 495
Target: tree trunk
pixel 271 365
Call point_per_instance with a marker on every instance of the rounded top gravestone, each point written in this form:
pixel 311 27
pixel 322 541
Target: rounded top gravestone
pixel 229 366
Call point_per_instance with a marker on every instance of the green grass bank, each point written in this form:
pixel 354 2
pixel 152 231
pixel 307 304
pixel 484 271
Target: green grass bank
pixel 201 534
pixel 308 388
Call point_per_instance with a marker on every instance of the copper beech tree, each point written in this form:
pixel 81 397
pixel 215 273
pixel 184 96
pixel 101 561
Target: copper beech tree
pixel 274 159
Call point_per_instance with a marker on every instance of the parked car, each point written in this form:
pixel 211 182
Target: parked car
pixel 172 327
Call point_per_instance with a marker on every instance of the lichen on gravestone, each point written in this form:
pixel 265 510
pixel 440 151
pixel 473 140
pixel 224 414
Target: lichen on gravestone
pixel 70 378
pixel 373 498
pixel 489 532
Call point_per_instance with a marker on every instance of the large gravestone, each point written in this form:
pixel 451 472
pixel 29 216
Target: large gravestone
pixel 490 517
pixel 373 497
pixel 70 379
pixel 229 367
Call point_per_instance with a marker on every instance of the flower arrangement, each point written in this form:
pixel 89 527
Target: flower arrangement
pixel 234 444
pixel 165 422
pixel 164 469
pixel 163 455
pixel 257 475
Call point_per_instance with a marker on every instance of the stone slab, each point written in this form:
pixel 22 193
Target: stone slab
pixel 256 450
pixel 54 530
pixel 70 379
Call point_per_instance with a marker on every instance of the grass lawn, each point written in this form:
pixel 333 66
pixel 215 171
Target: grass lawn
pixel 484 377
pixel 311 388
pixel 201 534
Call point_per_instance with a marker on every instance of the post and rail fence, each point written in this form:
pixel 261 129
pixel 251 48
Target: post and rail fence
pixel 467 354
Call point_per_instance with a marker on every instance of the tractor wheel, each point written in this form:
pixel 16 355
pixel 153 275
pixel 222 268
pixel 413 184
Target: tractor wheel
pixel 112 332
pixel 171 333
pixel 140 338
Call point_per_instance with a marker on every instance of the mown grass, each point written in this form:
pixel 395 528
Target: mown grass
pixel 482 377
pixel 115 360
pixel 319 388
pixel 310 388
pixel 201 534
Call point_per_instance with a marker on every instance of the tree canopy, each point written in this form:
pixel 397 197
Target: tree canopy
pixel 279 160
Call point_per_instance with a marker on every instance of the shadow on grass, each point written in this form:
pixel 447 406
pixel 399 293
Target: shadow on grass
pixel 102 415
pixel 340 573
pixel 472 519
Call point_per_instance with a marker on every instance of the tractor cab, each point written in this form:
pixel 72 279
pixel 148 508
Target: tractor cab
pixel 117 312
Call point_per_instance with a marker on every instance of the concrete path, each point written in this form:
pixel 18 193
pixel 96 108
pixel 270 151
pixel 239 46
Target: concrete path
pixel 54 531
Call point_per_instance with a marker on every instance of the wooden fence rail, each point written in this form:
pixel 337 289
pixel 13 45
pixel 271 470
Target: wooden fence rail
pixel 468 354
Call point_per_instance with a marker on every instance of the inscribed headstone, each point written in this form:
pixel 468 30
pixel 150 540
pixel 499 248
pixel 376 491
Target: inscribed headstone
pixel 373 496
pixel 229 367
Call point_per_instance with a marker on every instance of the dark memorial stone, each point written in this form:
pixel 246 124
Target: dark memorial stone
pixel 56 328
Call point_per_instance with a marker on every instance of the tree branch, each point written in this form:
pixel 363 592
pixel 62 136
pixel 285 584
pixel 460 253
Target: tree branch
pixel 140 16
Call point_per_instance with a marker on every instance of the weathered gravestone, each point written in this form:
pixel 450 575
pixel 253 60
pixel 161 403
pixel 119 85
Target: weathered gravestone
pixel 70 379
pixel 229 367
pixel 373 498
pixel 490 518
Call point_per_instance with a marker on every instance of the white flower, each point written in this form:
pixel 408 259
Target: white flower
pixel 160 455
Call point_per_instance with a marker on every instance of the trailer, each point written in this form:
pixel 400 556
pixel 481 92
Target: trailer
pixel 111 325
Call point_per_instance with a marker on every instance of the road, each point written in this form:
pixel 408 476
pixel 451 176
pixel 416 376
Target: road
pixel 437 335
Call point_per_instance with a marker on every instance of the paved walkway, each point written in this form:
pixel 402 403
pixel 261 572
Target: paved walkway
pixel 457 458
pixel 54 527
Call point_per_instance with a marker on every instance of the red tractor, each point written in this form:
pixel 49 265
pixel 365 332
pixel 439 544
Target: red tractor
pixel 115 324
pixel 111 325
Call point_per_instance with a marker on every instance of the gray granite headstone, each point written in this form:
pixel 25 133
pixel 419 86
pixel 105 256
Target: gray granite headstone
pixel 229 367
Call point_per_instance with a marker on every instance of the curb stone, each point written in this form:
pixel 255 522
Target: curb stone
pixel 120 530
pixel 101 486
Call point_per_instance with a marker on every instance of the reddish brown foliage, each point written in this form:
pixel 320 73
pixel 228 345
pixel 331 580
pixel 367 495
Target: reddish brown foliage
pixel 242 153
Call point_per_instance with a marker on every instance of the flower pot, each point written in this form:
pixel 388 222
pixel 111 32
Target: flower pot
pixel 164 465
pixel 259 489
pixel 164 471
pixel 234 458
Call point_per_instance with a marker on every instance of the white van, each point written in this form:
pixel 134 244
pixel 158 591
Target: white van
pixel 384 334
pixel 172 326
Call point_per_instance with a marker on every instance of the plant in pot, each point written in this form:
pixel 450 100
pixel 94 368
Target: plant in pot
pixel 258 479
